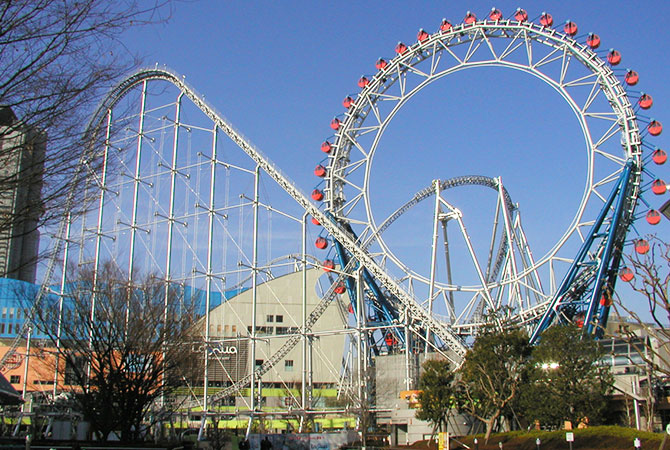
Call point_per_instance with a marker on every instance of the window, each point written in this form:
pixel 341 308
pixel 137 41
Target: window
pixel 4 313
pixel 279 319
pixel 270 318
pixel 15 379
pixel 259 362
pixel 2 328
pixel 234 328
pixel 288 365
pixel 11 313
pixel 218 328
pixel 226 329
pixel 10 329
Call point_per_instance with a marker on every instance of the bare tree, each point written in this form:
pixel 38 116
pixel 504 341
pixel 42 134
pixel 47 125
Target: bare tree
pixel 651 279
pixel 56 59
pixel 122 347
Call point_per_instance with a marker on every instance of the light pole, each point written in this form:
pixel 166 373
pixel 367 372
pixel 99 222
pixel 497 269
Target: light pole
pixel 537 443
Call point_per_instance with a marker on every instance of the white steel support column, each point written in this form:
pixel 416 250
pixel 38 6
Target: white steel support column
pixel 303 400
pixel 254 291
pixel 63 280
pixel 408 344
pixel 208 279
pixel 511 241
pixel 171 219
pixel 98 235
pixel 433 257
pixel 136 186
pixel 26 361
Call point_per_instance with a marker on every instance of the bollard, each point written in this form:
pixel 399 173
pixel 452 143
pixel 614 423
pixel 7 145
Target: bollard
pixel 537 443
pixel 476 442
pixel 637 443
pixel 500 445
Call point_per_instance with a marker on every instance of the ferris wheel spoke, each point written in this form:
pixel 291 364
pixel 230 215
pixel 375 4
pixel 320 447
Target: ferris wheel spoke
pixel 556 54
pixel 612 131
pixel 519 40
pixel 475 44
pixel 612 117
pixel 614 158
pixel 587 80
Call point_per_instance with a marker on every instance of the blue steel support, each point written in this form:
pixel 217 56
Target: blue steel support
pixel 383 305
pixel 618 193
pixel 606 257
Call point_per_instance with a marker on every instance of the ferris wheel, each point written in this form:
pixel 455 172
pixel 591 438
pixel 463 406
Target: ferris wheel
pixel 555 284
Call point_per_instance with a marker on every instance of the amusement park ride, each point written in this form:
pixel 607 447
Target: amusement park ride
pixel 173 188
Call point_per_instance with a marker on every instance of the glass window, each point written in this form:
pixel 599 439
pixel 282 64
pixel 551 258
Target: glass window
pixel 259 362
pixel 288 365
pixel 270 318
pixel 15 379
pixel 4 313
pixel 280 318
pixel 234 328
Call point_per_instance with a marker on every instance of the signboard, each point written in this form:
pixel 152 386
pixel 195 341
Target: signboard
pixel 570 436
pixel 13 362
pixel 443 441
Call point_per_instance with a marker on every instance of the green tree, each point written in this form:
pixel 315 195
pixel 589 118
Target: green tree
pixel 565 380
pixel 492 373
pixel 436 398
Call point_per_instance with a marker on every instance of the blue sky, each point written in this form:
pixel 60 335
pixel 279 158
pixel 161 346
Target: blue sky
pixel 279 71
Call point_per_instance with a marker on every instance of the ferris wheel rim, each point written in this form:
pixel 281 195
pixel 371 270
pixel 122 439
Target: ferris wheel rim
pixel 359 111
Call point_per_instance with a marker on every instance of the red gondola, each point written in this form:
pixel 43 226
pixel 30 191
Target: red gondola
pixel 495 14
pixel 326 147
pixel 335 124
pixel 400 48
pixel 521 15
pixel 626 274
pixel 422 35
pixel 614 57
pixel 653 217
pixel 381 64
pixel 362 82
pixel 347 102
pixel 339 289
pixel 570 28
pixel 321 243
pixel 320 171
pixel 470 18
pixel 328 265
pixel 655 128
pixel 659 187
pixel 659 156
pixel 631 78
pixel 593 41
pixel 315 222
pixel 645 101
pixel 445 25
pixel 546 20
pixel 641 246
pixel 317 195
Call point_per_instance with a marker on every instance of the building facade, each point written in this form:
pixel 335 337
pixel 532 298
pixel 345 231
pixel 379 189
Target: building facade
pixel 22 152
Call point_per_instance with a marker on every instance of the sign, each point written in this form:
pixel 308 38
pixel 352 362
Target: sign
pixel 13 362
pixel 570 437
pixel 667 428
pixel 443 441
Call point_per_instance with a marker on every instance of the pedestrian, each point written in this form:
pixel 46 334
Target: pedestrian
pixel 243 444
pixel 266 444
